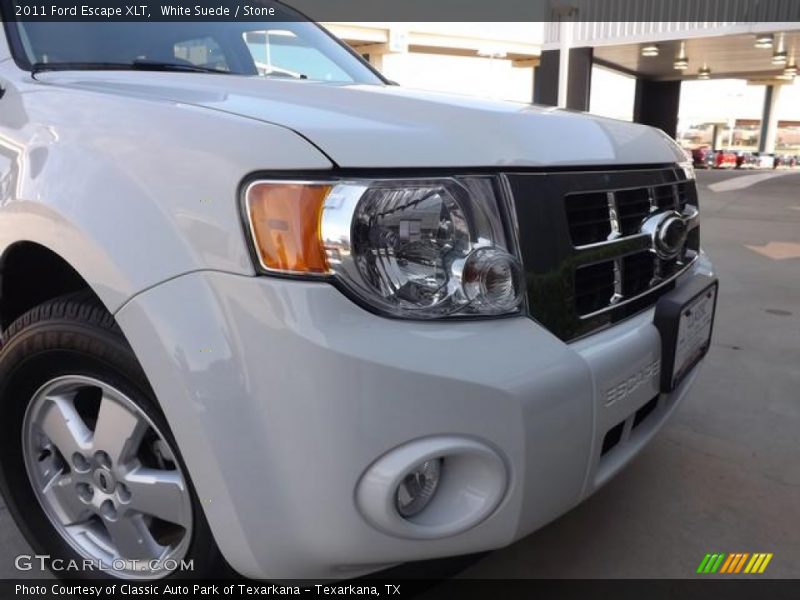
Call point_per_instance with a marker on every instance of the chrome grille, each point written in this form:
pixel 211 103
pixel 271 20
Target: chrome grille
pixel 595 217
pixel 589 242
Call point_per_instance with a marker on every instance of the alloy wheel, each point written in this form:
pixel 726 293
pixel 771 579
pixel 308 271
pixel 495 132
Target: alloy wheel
pixel 107 478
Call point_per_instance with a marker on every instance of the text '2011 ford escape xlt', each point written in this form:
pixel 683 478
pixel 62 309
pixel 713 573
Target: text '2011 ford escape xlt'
pixel 259 304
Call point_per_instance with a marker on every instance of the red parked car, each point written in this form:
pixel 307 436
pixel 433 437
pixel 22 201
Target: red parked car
pixel 703 157
pixel 724 159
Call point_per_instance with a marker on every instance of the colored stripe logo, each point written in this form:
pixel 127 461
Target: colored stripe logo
pixel 738 562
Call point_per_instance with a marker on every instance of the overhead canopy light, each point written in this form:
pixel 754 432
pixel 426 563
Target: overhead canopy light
pixel 681 64
pixel 681 61
pixel 704 72
pixel 650 50
pixel 764 40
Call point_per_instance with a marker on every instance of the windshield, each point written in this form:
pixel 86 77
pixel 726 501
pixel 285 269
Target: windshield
pixel 286 49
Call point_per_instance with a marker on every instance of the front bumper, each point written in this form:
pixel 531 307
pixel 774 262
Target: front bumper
pixel 281 394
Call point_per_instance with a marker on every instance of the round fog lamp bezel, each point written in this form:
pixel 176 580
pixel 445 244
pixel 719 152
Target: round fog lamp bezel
pixel 473 483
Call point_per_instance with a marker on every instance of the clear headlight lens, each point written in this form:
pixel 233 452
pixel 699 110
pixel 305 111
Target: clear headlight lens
pixel 413 248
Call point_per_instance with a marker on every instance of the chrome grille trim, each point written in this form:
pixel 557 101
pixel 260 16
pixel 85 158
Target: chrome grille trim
pixel 583 275
pixel 632 244
pixel 613 217
pixel 614 212
pixel 619 270
pixel 655 288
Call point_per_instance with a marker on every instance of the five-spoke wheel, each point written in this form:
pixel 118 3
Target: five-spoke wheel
pixel 105 476
pixel 88 464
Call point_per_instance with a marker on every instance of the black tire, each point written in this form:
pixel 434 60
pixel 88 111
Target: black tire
pixel 75 335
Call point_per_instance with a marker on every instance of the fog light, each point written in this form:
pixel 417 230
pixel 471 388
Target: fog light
pixel 418 488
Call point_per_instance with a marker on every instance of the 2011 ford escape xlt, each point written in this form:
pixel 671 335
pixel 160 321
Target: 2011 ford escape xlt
pixel 259 304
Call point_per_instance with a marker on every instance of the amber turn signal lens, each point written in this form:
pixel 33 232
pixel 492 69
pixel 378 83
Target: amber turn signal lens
pixel 285 223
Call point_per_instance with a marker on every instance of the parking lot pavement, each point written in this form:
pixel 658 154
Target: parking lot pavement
pixel 723 475
pixel 11 545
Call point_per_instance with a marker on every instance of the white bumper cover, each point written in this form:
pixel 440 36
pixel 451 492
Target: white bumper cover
pixel 282 394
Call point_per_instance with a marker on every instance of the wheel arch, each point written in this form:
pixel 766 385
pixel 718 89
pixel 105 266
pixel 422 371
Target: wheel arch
pixel 31 274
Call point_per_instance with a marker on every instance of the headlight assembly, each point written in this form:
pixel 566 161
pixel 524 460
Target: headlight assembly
pixel 416 248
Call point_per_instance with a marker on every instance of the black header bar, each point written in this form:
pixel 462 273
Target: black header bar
pixel 400 589
pixel 746 11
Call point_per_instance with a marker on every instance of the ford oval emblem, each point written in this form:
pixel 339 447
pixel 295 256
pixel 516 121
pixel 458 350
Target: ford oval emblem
pixel 671 236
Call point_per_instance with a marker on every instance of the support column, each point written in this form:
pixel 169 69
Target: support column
pixel 716 134
pixel 656 103
pixel 579 85
pixel 545 79
pixel 565 39
pixel 579 79
pixel 769 121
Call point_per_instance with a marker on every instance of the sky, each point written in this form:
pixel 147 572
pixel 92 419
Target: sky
pixel 734 98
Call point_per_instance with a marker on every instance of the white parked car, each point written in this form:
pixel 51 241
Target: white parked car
pixel 261 305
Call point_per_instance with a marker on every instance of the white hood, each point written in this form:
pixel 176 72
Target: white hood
pixel 390 126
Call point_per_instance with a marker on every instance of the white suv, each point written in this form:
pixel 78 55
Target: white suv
pixel 259 303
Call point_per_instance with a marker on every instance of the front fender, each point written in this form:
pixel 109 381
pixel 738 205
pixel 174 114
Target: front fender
pixel 131 192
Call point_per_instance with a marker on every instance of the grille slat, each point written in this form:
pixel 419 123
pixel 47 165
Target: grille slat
pixel 635 196
pixel 588 217
pixel 590 222
pixel 638 271
pixel 664 197
pixel 594 287
pixel 633 206
pixel 630 224
pixel 684 196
